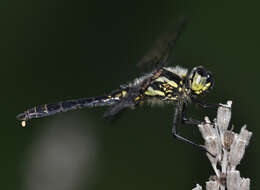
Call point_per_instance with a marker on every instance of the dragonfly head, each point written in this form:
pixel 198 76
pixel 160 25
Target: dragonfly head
pixel 200 81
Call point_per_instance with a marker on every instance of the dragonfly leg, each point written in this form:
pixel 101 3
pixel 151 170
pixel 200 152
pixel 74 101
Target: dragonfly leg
pixel 206 105
pixel 179 137
pixel 188 120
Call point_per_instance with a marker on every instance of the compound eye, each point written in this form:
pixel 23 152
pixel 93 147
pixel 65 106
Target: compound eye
pixel 209 78
pixel 201 71
pixel 209 82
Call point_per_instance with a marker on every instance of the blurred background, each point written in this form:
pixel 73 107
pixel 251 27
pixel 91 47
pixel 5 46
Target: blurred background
pixel 55 50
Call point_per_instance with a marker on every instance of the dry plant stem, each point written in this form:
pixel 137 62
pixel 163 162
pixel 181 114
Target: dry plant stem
pixel 229 148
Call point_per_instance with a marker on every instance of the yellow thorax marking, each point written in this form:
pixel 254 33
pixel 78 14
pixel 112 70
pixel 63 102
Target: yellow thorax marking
pixel 168 81
pixel 124 93
pixel 165 85
pixel 151 92
pixel 137 98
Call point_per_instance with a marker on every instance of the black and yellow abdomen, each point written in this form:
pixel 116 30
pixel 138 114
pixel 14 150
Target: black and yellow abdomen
pixel 64 106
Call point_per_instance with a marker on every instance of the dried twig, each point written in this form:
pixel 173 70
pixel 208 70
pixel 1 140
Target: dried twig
pixel 229 148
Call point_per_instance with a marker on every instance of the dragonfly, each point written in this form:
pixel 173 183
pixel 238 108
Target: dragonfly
pixel 164 85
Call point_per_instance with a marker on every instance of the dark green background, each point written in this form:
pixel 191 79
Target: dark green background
pixel 55 50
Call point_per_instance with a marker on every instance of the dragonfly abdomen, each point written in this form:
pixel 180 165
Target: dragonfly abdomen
pixel 63 106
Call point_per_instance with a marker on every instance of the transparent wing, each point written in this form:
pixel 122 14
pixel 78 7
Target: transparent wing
pixel 159 54
pixel 134 95
pixel 128 101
